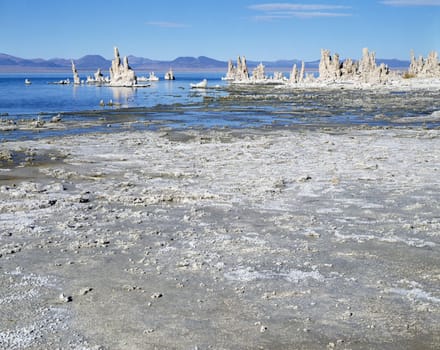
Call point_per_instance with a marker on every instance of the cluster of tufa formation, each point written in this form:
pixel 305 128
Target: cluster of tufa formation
pixel 239 72
pixel 120 72
pixel 365 70
pixel 425 68
pixel 99 77
pixel 258 73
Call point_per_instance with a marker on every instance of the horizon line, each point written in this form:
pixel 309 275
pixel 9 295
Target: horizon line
pixel 200 56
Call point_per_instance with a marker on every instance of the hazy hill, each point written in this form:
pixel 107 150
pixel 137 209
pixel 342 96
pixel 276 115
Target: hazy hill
pixel 92 62
pixel 89 63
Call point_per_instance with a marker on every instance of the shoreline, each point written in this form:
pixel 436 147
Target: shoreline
pixel 251 105
pixel 310 237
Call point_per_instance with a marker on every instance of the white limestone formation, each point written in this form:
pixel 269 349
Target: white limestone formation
pixel 120 72
pixel 297 76
pixel 365 70
pixel 329 67
pixel 242 72
pixel 230 74
pixel 278 76
pixel 258 73
pixel 169 75
pixel 302 72
pixel 238 73
pixel 294 74
pixel 99 77
pixel 76 79
pixel 425 68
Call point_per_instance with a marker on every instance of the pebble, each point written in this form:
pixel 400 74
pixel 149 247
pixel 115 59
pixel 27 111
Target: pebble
pixel 156 295
pixel 84 291
pixel 84 199
pixel 65 298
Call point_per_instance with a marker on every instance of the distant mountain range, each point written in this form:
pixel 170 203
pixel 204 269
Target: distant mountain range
pixel 91 63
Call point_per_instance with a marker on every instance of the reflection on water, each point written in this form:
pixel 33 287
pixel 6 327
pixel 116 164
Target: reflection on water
pixel 123 95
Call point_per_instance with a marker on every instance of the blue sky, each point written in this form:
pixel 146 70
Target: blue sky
pixel 222 29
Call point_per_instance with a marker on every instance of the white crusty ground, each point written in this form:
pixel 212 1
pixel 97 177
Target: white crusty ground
pixel 299 238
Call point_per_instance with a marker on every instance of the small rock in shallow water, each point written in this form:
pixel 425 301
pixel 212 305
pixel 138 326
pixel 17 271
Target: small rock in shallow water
pixel 56 118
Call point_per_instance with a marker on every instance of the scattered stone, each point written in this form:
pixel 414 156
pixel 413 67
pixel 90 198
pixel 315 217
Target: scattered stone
pixel 129 288
pixel 304 178
pixel 85 198
pixel 65 298
pixel 84 291
pixel 156 295
pixel 5 155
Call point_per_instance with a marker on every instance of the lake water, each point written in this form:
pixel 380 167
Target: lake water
pixel 19 99
pixel 173 104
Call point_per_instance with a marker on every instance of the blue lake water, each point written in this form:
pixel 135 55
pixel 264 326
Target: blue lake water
pixel 19 99
pixel 173 104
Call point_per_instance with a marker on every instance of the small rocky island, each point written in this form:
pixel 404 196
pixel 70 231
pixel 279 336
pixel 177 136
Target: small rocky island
pixel 120 72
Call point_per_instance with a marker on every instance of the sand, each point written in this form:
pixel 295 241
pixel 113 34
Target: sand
pixel 295 238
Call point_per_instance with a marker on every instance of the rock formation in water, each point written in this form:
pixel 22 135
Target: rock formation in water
pixel 302 72
pixel 278 76
pixel 297 76
pixel 365 70
pixel 99 77
pixel 242 72
pixel 369 72
pixel 425 68
pixel 258 73
pixel 329 67
pixel 230 74
pixel 120 72
pixel 239 72
pixel 76 79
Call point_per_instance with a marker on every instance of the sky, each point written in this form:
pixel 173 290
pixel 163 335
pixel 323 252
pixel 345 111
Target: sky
pixel 221 29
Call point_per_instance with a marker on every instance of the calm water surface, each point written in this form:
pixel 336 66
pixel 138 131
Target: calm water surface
pixel 19 99
pixel 174 104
